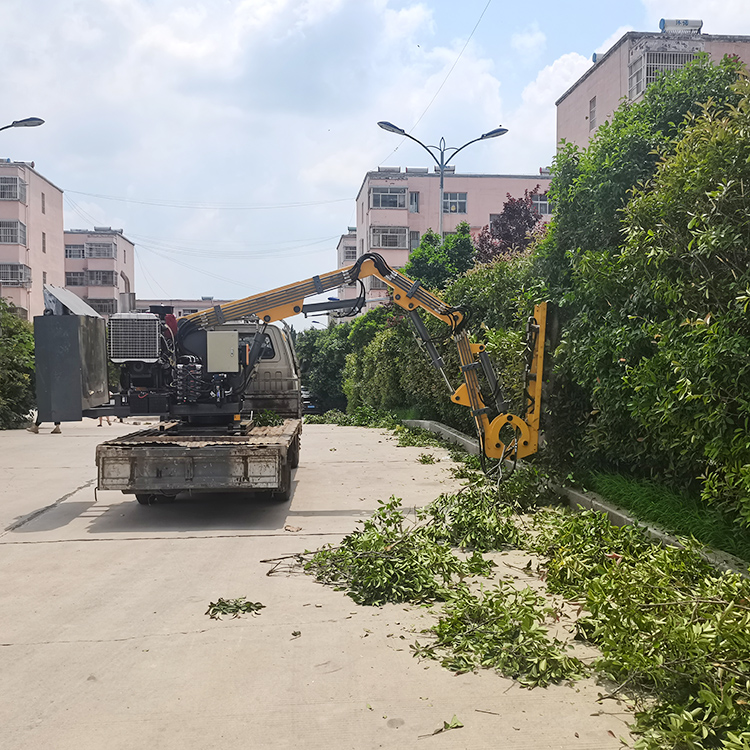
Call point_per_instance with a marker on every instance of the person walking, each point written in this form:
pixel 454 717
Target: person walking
pixel 54 431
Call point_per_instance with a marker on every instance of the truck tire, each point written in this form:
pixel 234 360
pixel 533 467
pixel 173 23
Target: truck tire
pixel 145 498
pixel 284 491
pixel 294 452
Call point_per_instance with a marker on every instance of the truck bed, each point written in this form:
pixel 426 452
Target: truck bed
pixel 169 459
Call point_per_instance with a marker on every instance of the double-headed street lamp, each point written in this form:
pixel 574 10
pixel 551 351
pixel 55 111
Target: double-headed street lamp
pixel 29 122
pixel 442 162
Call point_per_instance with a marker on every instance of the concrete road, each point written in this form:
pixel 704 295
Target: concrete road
pixel 105 644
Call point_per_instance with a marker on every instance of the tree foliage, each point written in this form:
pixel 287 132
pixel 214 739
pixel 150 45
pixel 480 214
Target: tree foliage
pixel 512 232
pixel 16 369
pixel 322 354
pixel 434 263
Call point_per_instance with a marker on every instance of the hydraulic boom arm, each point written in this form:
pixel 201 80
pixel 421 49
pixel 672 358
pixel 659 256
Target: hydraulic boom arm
pixel 410 295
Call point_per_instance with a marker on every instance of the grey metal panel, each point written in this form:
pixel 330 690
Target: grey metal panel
pixel 56 298
pixel 71 366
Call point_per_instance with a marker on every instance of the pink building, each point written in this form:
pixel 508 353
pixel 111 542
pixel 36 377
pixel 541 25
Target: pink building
pixel 31 237
pixel 99 267
pixel 623 72
pixel 395 208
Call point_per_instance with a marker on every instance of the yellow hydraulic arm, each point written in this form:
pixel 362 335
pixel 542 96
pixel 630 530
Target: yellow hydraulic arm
pixel 289 300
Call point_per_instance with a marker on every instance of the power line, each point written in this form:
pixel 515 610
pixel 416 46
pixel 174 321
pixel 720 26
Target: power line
pixel 208 206
pixel 445 80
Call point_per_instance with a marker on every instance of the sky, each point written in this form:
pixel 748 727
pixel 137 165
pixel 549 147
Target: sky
pixel 229 138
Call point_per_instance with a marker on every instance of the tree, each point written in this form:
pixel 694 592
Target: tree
pixel 16 369
pixel 512 231
pixel 620 306
pixel 322 355
pixel 434 263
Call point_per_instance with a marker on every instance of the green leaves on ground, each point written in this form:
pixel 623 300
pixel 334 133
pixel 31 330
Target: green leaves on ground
pixel 234 607
pixel 472 519
pixel 501 629
pixel 665 622
pixel 392 560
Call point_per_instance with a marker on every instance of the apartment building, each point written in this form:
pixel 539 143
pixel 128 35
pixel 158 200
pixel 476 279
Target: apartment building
pixel 623 72
pixel 99 267
pixel 396 207
pixel 31 237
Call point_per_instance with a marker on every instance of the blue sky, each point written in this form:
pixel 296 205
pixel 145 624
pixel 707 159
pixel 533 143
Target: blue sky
pixel 228 138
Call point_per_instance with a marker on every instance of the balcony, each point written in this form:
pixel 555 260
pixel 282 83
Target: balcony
pixel 15 274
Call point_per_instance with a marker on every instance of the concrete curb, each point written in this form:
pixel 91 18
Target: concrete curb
pixel 578 500
pixel 447 433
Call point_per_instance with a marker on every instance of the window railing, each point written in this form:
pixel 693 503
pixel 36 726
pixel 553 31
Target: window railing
pixel 15 274
pixel 12 189
pixel 388 197
pixel 12 233
pixel 393 237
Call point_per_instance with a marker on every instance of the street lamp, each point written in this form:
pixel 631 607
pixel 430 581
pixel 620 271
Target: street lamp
pixel 442 162
pixel 29 122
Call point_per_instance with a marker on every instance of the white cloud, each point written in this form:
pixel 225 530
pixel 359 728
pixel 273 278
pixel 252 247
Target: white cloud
pixel 532 125
pixel 258 103
pixel 529 43
pixel 610 41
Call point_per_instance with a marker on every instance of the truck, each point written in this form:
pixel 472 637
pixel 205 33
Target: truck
pixel 255 452
pixel 225 384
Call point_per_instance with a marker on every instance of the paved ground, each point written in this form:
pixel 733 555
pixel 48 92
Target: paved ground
pixel 105 644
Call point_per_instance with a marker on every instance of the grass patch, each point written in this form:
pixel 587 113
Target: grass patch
pixel 674 511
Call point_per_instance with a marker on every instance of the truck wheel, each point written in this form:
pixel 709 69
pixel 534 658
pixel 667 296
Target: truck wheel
pixel 145 498
pixel 294 452
pixel 284 492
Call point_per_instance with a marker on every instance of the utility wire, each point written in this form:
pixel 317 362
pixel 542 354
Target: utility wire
pixel 209 206
pixel 445 80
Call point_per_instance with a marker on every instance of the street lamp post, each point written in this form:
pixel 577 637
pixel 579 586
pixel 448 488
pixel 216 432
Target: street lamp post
pixel 29 122
pixel 441 149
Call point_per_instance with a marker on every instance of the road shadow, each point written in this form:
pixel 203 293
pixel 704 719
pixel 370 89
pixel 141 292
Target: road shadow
pixel 115 513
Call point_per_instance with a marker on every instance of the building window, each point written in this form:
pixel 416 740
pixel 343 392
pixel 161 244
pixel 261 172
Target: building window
pixel 394 237
pixel 635 78
pixel 44 242
pixel 189 311
pixel 103 306
pixel 124 255
pixel 376 283
pixel 15 274
pixel 101 278
pixel 454 203
pixel 74 251
pixel 413 202
pixel 592 113
pixel 650 65
pixel 388 197
pixel 12 189
pixel 413 240
pixel 75 278
pixel 12 233
pixel 100 250
pixel 44 204
pixel 350 253
pixel 44 277
pixel 542 204
pixel 361 247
